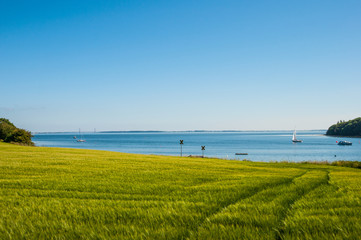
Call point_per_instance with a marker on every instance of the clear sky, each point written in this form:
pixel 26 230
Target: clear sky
pixel 179 65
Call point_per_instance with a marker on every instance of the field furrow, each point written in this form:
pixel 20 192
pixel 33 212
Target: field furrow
pixel 332 211
pixel 259 216
pixel 290 205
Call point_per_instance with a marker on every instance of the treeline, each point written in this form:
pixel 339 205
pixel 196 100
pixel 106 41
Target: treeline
pixel 11 134
pixel 343 128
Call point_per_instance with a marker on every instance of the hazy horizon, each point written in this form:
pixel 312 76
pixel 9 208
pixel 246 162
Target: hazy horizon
pixel 196 130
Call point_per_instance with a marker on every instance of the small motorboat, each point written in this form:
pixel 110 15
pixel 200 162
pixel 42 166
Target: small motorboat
pixel 344 143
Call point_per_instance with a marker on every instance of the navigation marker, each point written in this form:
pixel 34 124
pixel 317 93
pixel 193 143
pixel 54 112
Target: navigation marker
pixel 181 144
pixel 203 148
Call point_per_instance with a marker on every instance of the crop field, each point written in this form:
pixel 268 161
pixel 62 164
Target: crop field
pixel 54 193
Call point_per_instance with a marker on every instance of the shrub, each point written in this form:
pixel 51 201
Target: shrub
pixel 10 133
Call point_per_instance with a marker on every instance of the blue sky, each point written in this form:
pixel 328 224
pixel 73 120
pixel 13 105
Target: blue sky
pixel 179 65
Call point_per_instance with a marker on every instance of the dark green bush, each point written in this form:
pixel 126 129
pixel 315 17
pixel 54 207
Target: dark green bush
pixel 10 133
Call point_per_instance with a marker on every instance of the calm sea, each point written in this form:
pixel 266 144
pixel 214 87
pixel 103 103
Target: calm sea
pixel 260 145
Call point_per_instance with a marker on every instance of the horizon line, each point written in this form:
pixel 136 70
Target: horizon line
pixel 160 131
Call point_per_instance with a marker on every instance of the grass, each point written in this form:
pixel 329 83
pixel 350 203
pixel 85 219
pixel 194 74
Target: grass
pixel 54 193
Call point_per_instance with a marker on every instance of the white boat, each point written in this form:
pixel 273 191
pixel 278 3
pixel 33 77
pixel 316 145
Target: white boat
pixel 294 138
pixel 81 138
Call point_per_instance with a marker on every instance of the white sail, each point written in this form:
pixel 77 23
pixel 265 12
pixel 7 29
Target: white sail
pixel 294 136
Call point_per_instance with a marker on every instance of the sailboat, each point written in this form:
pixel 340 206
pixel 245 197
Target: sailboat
pixel 294 138
pixel 81 139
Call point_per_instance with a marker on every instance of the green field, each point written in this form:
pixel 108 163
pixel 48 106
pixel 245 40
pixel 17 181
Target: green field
pixel 54 193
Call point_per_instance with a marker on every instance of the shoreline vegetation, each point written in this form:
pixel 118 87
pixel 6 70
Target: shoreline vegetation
pixel 11 134
pixel 338 163
pixel 351 128
pixel 62 193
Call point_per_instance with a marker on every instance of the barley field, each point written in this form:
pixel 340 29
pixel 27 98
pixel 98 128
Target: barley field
pixel 55 193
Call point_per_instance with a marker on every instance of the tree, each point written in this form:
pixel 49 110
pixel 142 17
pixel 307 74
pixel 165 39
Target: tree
pixel 343 128
pixel 10 133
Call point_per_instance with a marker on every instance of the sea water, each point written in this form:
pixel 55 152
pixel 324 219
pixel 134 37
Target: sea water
pixel 259 145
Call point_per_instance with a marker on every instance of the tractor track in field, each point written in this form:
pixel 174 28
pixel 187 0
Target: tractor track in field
pixel 280 229
pixel 259 189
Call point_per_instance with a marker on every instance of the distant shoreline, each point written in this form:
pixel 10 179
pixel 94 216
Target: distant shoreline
pixel 185 131
pixel 342 136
